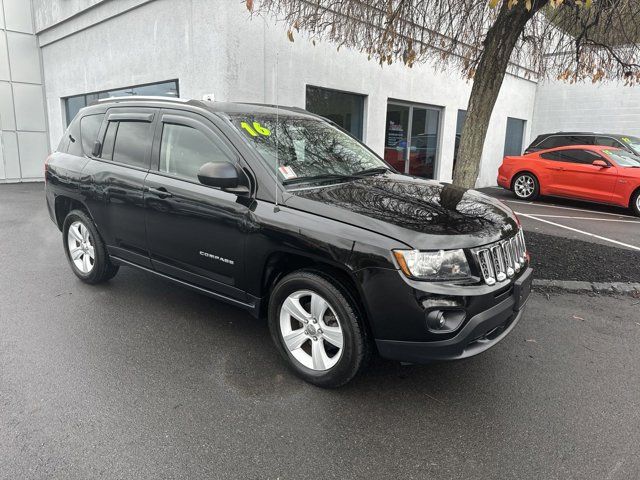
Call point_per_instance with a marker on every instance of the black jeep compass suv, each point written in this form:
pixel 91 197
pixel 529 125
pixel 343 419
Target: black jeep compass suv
pixel 282 213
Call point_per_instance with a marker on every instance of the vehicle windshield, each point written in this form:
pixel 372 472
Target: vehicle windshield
pixel 633 142
pixel 307 149
pixel 623 158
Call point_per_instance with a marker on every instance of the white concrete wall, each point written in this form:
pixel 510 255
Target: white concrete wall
pixel 23 127
pixel 607 107
pixel 213 46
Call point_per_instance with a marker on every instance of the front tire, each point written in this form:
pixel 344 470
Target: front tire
pixel 526 186
pixel 317 329
pixel 85 250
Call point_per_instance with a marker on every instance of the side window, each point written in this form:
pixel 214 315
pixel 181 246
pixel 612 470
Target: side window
pixel 72 137
pixel 131 143
pixel 579 140
pixel 550 142
pixel 609 142
pixel 556 156
pixel 580 156
pixel 184 150
pixel 89 128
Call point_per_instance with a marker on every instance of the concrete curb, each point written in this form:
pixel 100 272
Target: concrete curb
pixel 619 288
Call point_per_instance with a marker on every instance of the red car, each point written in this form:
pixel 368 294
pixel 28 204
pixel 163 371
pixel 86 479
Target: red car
pixel 585 172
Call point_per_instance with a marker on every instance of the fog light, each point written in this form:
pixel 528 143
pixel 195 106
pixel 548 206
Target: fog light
pixel 443 321
pixel 436 320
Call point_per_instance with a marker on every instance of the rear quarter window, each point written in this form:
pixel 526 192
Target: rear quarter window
pixel 89 128
pixel 72 139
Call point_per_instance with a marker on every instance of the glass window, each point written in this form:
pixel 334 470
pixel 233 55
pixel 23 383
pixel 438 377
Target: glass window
pixel 131 144
pixel 566 140
pixel 556 156
pixel 411 140
pixel 580 156
pixel 395 140
pixel 89 128
pixel 161 89
pixel 75 143
pixel 462 116
pixel 608 141
pixel 624 158
pixel 73 106
pixel 345 109
pixel 184 150
pixel 514 136
pixel 305 147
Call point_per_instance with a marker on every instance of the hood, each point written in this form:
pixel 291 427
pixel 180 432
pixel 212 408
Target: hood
pixel 423 214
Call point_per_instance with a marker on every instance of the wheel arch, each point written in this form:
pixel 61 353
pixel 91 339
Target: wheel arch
pixel 280 264
pixel 63 205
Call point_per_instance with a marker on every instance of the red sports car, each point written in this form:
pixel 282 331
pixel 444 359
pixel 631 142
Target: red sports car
pixel 585 172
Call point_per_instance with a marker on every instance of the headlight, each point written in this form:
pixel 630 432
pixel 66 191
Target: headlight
pixel 440 265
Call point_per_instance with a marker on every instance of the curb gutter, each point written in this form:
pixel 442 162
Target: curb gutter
pixel 619 288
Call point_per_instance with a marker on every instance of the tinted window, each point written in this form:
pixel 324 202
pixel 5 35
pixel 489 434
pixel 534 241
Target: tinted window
pixel 552 156
pixel 565 140
pixel 608 141
pixel 345 109
pixel 89 128
pixel 73 135
pixel 580 156
pixel 184 150
pixel 131 144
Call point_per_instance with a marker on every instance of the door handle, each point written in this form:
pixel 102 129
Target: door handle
pixel 160 192
pixel 556 168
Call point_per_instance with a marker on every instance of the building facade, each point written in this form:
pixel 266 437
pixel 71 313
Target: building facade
pixel 90 49
pixel 24 142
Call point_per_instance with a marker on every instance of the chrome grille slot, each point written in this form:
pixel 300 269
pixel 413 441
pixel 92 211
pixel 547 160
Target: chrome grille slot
pixel 501 260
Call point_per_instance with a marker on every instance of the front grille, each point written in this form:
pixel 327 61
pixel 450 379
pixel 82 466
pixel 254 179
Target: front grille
pixel 501 260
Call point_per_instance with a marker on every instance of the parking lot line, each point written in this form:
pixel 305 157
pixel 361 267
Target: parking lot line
pixel 533 217
pixel 584 218
pixel 533 204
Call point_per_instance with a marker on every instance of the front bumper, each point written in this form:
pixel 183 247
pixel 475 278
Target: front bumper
pixel 485 327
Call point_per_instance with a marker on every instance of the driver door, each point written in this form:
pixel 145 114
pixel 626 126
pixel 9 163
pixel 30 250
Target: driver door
pixel 194 232
pixel 579 178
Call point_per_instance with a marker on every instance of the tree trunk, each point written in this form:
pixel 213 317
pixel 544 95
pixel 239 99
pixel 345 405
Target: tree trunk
pixel 498 46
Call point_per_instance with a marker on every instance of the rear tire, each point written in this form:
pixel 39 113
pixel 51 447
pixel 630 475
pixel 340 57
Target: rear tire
pixel 525 186
pixel 85 250
pixel 317 329
pixel 635 203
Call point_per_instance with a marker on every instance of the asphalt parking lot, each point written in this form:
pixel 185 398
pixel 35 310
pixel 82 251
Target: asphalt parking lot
pixel 141 379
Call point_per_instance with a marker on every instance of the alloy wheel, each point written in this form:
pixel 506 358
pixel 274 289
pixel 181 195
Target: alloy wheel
pixel 81 248
pixel 524 186
pixel 311 330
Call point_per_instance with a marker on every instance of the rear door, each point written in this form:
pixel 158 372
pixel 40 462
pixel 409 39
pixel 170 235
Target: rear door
pixel 116 181
pixel 195 232
pixel 580 179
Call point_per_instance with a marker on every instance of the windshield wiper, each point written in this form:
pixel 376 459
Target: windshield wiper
pixel 313 178
pixel 371 171
pixel 336 176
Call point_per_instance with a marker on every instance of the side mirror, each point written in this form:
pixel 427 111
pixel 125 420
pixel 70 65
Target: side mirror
pixel 222 175
pixel 600 163
pixel 97 146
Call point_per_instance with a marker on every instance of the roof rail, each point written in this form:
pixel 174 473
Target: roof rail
pixel 133 98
